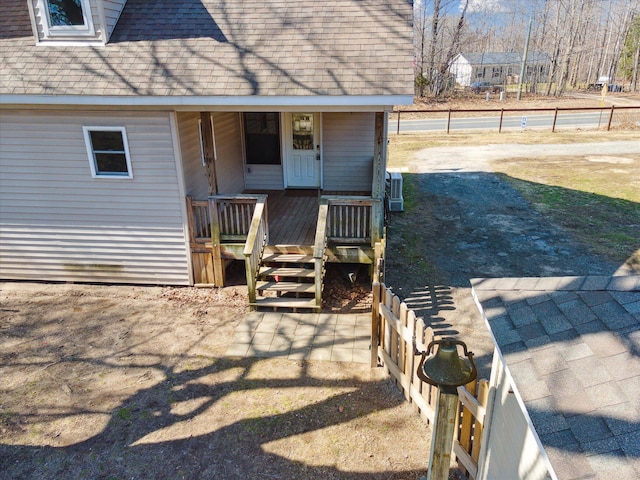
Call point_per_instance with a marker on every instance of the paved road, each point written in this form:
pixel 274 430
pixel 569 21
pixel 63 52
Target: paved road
pixel 574 120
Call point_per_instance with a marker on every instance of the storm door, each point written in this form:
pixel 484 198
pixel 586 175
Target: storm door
pixel 303 163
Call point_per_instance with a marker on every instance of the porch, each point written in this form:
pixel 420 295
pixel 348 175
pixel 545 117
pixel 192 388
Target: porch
pixel 285 238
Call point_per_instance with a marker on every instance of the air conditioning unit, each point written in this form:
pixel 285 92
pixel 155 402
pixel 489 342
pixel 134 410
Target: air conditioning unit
pixel 396 202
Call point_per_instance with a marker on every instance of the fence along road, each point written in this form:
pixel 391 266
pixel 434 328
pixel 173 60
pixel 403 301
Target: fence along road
pixel 502 119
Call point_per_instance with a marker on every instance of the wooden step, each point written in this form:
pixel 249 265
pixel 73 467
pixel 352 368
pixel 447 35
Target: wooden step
pixel 293 287
pixel 287 258
pixel 286 272
pixel 286 302
pixel 296 249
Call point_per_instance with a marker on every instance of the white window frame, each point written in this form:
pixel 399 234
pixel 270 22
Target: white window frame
pixel 67 30
pixel 91 152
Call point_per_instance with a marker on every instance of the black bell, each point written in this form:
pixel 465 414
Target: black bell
pixel 445 368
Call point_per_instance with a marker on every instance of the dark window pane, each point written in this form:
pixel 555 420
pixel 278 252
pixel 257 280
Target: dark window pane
pixel 110 141
pixel 262 138
pixel 111 163
pixel 65 13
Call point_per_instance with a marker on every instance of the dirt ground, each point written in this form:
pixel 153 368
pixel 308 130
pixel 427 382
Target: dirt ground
pixel 115 382
pixel 469 223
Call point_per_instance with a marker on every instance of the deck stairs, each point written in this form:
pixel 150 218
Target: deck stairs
pixel 287 279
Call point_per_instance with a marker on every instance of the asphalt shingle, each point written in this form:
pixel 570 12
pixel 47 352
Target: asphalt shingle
pixel 210 48
pixel 576 366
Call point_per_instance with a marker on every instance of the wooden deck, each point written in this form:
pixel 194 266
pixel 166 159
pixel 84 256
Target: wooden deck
pixel 255 226
pixel 293 215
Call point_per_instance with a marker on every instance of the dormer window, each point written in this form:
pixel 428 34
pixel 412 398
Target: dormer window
pixel 66 17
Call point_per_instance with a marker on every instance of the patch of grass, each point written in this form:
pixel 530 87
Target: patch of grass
pixel 410 193
pixel 596 197
pixel 124 414
pixel 411 244
pixel 402 147
pixel 607 226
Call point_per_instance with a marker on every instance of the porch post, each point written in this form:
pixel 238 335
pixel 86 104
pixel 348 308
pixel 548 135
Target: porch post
pixel 208 150
pixel 379 156
pixel 379 173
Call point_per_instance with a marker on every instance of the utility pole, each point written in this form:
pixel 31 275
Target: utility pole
pixel 524 60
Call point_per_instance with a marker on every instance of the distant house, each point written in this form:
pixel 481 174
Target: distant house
pixel 138 138
pixel 565 379
pixel 498 68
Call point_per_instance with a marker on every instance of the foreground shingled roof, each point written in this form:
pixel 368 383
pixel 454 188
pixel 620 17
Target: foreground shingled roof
pixel 213 48
pixel 572 347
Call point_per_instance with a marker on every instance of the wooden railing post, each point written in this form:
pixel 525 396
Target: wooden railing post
pixel 375 323
pixel 377 220
pixel 442 438
pixel 256 239
pixel 191 220
pixel 218 265
pixel 320 246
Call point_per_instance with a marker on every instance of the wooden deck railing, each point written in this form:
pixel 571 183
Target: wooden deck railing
pixel 349 229
pixel 319 249
pixel 231 216
pixel 199 220
pixel 396 335
pixel 354 220
pixel 257 238
pixel 218 230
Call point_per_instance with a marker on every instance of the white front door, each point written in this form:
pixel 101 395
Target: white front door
pixel 303 161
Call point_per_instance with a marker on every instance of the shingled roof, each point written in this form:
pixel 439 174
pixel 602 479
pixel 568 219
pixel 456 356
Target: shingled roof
pixel 572 347
pixel 504 58
pixel 207 48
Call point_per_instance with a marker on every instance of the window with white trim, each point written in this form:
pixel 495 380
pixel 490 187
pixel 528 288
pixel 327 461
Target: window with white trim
pixel 66 17
pixel 108 152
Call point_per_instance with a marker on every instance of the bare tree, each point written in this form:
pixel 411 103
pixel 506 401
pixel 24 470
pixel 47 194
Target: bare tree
pixel 582 39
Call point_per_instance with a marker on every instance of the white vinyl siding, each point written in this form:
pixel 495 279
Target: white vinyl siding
pixel 195 175
pixel 264 177
pixel 57 223
pixel 511 450
pixel 348 147
pixel 112 11
pixel 462 71
pixel 228 138
pixel 101 167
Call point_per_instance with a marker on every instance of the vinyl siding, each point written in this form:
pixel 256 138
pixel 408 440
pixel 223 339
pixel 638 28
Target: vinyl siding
pixel 195 175
pixel 57 223
pixel 511 451
pixel 348 147
pixel 228 137
pixel 264 177
pixel 112 11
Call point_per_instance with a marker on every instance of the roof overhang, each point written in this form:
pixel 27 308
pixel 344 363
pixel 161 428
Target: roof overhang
pixel 229 103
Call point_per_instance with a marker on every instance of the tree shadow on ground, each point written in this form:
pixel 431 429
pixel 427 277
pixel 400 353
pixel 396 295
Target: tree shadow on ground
pixel 132 444
pixel 477 225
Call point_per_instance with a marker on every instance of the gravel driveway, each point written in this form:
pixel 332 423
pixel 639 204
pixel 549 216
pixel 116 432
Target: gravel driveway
pixel 471 224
